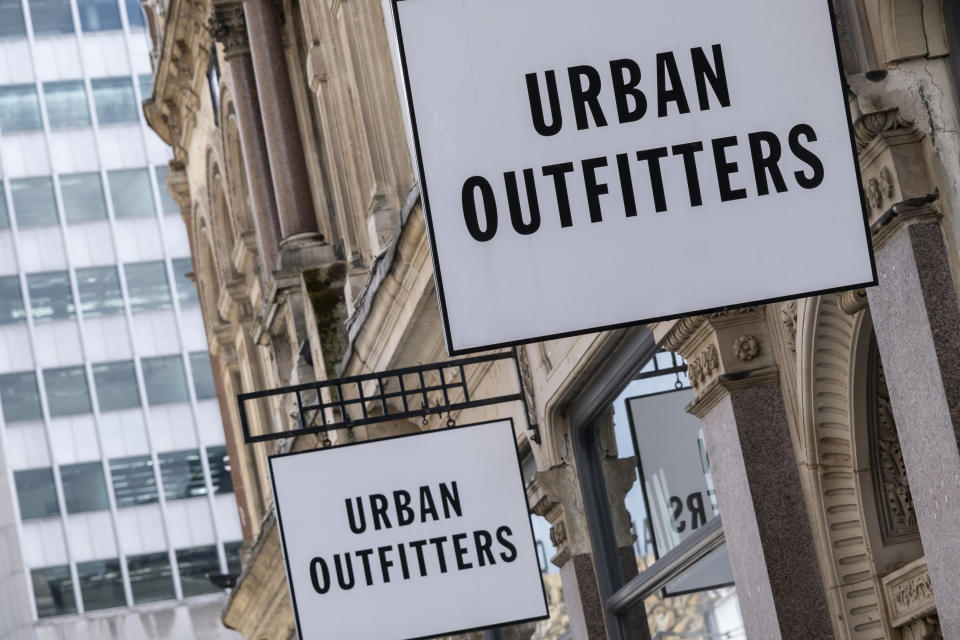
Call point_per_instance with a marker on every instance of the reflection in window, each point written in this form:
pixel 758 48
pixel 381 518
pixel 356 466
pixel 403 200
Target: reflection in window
pixel 186 289
pixel 11 301
pixel 50 17
pixel 150 577
pixel 165 380
pixel 116 384
pixel 19 108
pixel 67 392
pixel 219 463
pixel 20 396
pixel 84 488
pixel 11 19
pixel 53 591
pixel 114 99
pixel 232 551
pixel 167 203
pixel 147 285
pixel 99 289
pixel 202 375
pixel 135 17
pixel 36 493
pixel 50 296
pixel 195 565
pixel 146 83
pixel 33 202
pixel 4 216
pixel 82 197
pixel 130 193
pixel 66 104
pixel 99 15
pixel 182 474
pixel 133 481
pixel 101 584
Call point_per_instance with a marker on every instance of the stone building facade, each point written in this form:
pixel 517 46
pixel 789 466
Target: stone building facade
pixel 832 423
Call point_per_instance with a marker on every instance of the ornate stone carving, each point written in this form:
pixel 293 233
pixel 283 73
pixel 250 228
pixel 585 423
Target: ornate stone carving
pixel 886 183
pixel 228 27
pixel 871 125
pixel 526 377
pixel 558 534
pixel 685 327
pixel 700 368
pixel 852 302
pixel 925 628
pixel 909 594
pixel 874 195
pixel 788 316
pixel 746 348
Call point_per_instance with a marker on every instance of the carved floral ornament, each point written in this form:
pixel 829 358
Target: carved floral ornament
pixel 700 368
pixel 746 348
pixel 880 189
pixel 871 125
pixel 228 27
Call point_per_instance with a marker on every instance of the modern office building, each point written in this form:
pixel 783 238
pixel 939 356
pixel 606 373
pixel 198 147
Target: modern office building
pixel 116 499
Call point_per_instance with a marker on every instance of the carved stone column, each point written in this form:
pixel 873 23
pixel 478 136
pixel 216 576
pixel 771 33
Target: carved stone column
pixel 769 538
pixel 916 317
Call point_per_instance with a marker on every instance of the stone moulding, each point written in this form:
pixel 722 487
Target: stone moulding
pixel 908 593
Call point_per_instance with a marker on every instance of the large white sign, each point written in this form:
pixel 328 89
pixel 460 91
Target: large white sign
pixel 408 537
pixel 589 164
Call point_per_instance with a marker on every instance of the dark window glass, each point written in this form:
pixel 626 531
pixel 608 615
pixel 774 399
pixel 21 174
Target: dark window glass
pixel 135 15
pixel 133 481
pixel 186 290
pixel 12 24
pixel 182 474
pixel 202 375
pixel 130 193
pixel 116 384
pixel 67 391
pixel 167 204
pixel 99 289
pixel 232 551
pixel 146 84
pixel 150 577
pixel 33 202
pixel 219 463
pixel 66 104
pixel 82 197
pixel 19 108
pixel 114 100
pixel 11 301
pixel 101 584
pixel 50 17
pixel 53 591
pixel 20 396
pixel 36 493
pixel 99 15
pixel 4 216
pixel 195 565
pixel 84 488
pixel 213 84
pixel 147 286
pixel 165 380
pixel 50 296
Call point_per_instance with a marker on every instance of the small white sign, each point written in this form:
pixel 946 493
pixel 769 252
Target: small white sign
pixel 408 537
pixel 586 165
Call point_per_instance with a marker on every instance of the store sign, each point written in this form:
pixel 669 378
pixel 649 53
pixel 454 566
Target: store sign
pixel 676 481
pixel 586 165
pixel 408 537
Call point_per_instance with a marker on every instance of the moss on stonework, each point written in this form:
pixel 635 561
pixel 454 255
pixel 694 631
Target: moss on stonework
pixel 325 292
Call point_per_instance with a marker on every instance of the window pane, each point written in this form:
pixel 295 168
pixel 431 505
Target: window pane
pixel 11 301
pixel 150 577
pixel 219 463
pixel 99 289
pixel 53 591
pixel 186 290
pixel 50 17
pixel 66 104
pixel 84 488
pixel 11 19
pixel 133 481
pixel 147 286
pixel 36 493
pixel 182 474
pixel 114 99
pixel 116 384
pixel 167 203
pixel 67 392
pixel 195 564
pixel 232 551
pixel 19 108
pixel 20 396
pixel 82 197
pixel 135 15
pixel 101 584
pixel 33 201
pixel 50 297
pixel 130 193
pixel 4 217
pixel 146 83
pixel 165 380
pixel 202 375
pixel 99 15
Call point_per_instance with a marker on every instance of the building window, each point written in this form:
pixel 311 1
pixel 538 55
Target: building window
pixel 19 108
pixel 219 463
pixel 232 551
pixel 11 19
pixel 167 204
pixel 11 301
pixel 146 84
pixel 195 565
pixel 50 296
pixel 50 17
pixel 182 474
pixel 99 289
pixel 4 217
pixel 116 384
pixel 84 488
pixel 165 380
pixel 202 375
pixel 66 104
pixel 101 584
pixel 147 286
pixel 67 391
pixel 20 397
pixel 99 15
pixel 133 481
pixel 186 289
pixel 114 99
pixel 82 197
pixel 135 16
pixel 53 591
pixel 130 193
pixel 34 204
pixel 151 579
pixel 36 493
pixel 213 84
